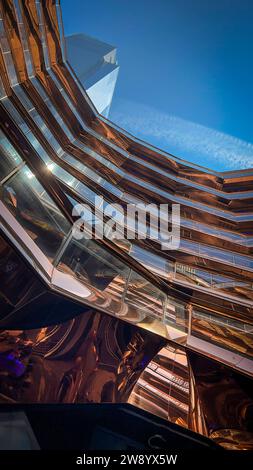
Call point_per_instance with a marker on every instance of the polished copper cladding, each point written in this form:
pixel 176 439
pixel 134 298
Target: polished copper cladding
pixel 92 358
pixel 189 310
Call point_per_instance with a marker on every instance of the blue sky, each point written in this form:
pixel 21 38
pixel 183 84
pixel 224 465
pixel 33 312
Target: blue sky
pixel 186 68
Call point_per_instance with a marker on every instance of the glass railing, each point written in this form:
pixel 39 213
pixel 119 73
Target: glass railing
pixel 228 235
pixel 101 279
pixel 192 275
pixel 110 282
pixel 130 295
pixel 200 278
pixel 32 207
pixel 84 191
pixel 224 332
pixel 9 159
pixel 167 270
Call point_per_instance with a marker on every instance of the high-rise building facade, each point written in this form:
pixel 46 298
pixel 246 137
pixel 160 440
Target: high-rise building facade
pixel 95 65
pixel 91 320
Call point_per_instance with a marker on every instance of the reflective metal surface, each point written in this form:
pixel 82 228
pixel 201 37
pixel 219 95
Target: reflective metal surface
pixel 198 394
pixel 57 150
pixel 91 358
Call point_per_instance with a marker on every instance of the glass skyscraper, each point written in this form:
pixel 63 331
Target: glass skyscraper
pixel 95 65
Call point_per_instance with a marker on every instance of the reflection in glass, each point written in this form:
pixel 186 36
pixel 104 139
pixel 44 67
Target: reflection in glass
pixel 35 211
pixel 89 262
pixel 9 159
pixel 230 334
pixel 176 315
pixel 144 296
pixel 98 269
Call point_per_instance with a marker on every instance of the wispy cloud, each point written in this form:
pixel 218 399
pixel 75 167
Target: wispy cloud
pixel 186 139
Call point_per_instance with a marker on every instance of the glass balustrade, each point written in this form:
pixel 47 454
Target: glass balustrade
pixel 35 211
pixel 110 284
pixel 9 159
pixel 224 332
pixel 196 249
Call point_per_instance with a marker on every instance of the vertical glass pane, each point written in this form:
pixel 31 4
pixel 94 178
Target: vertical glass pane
pixel 224 332
pixel 151 261
pixel 35 211
pixel 95 266
pixel 146 298
pixel 177 315
pixel 193 275
pixel 9 159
